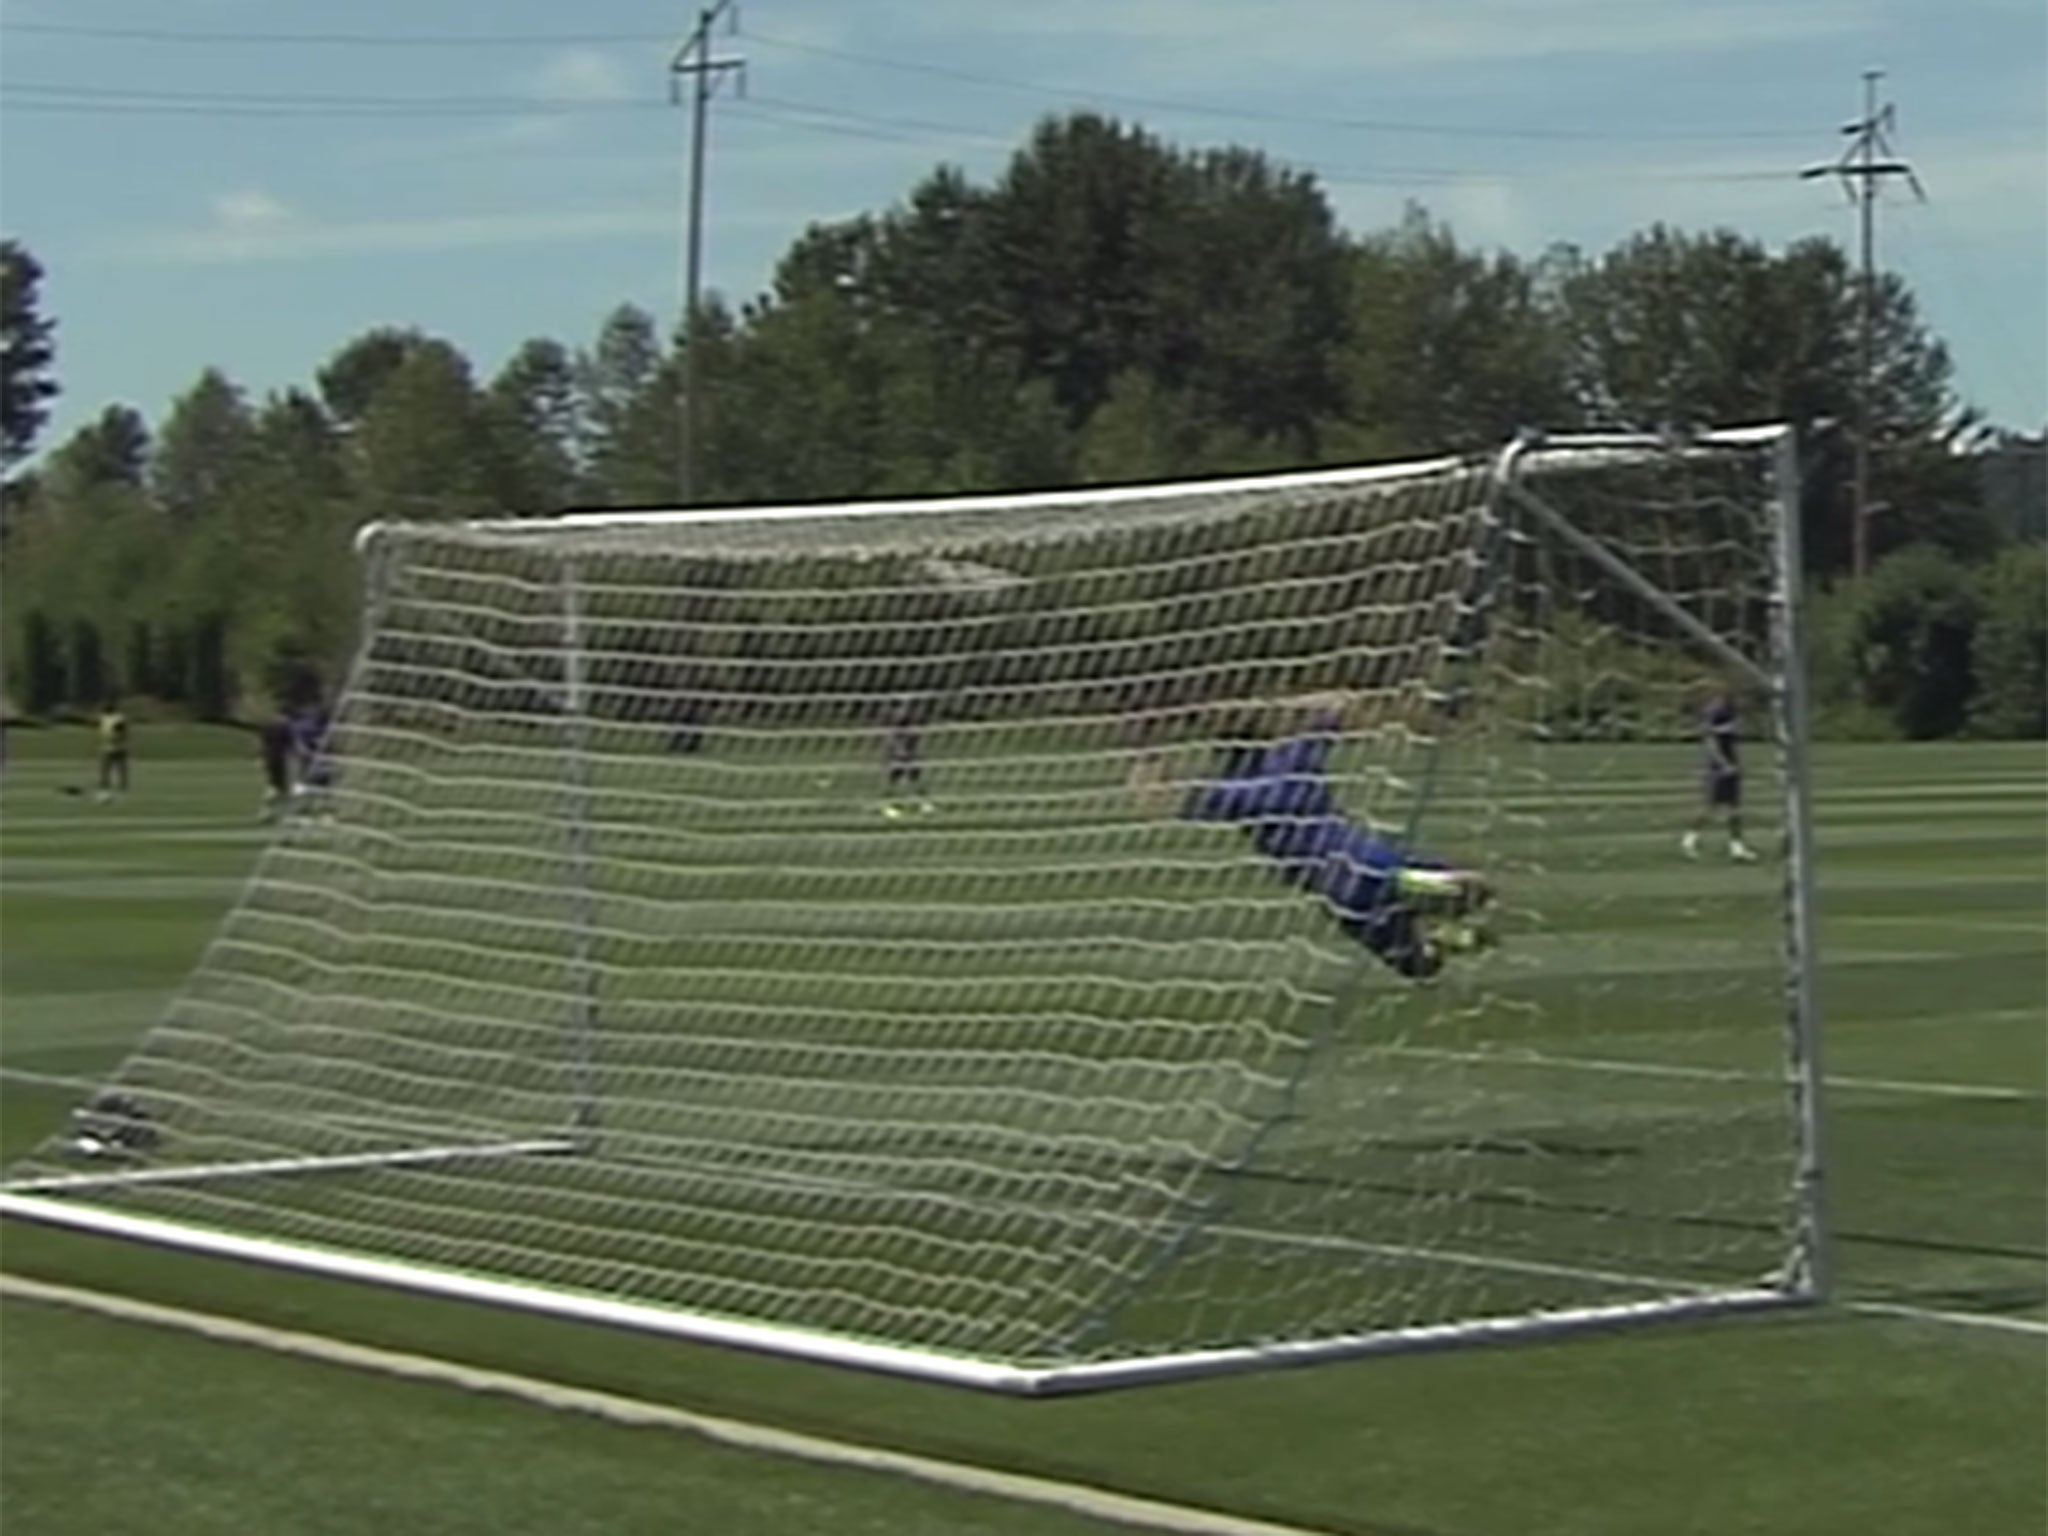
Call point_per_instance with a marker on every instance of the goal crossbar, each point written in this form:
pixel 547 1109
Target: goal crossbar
pixel 1098 496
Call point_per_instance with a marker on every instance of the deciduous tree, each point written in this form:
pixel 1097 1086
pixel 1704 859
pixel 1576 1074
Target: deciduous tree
pixel 28 352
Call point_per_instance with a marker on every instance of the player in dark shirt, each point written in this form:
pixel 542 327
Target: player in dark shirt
pixel 903 766
pixel 1721 778
pixel 1410 910
pixel 309 725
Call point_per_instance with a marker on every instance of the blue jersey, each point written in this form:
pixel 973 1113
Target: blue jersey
pixel 1282 799
pixel 1721 732
pixel 309 740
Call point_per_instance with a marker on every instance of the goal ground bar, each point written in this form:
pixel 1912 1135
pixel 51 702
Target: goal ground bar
pixel 193 1173
pixel 832 1349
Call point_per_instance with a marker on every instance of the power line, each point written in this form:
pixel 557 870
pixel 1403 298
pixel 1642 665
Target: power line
pixel 187 35
pixel 905 65
pixel 912 130
pixel 1266 115
pixel 1044 89
pixel 89 95
pixel 231 110
pixel 810 116
pixel 924 129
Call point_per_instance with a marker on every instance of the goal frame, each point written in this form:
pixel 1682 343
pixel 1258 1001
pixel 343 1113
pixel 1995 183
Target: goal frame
pixel 1804 1280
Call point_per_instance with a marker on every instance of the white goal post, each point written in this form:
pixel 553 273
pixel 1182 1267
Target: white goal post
pixel 839 930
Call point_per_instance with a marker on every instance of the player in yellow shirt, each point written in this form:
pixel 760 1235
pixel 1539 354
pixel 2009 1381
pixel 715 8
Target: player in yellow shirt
pixel 113 728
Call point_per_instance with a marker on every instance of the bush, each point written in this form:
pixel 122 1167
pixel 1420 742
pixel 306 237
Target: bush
pixel 1852 721
pixel 1914 622
pixel 2010 656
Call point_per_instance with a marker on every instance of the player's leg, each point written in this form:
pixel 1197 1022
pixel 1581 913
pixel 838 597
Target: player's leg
pixel 1730 799
pixel 1453 906
pixel 104 794
pixel 896 773
pixel 318 787
pixel 277 783
pixel 1399 938
pixel 1413 912
pixel 1689 844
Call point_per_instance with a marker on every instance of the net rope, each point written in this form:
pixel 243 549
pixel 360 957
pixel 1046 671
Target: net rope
pixel 1002 1059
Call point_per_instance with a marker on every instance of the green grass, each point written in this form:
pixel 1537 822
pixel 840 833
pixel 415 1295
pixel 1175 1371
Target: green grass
pixel 460 1463
pixel 1933 917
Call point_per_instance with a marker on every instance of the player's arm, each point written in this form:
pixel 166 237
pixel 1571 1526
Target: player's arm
pixel 1714 734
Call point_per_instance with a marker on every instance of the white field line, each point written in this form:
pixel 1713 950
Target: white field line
pixel 1985 924
pixel 2034 1326
pixel 1074 1498
pixel 2038 1327
pixel 1664 1285
pixel 50 1080
pixel 1709 1074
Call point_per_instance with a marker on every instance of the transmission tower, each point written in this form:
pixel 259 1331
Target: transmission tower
pixel 1865 163
pixel 694 61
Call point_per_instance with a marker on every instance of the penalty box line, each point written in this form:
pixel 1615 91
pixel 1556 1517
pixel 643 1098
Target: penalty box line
pixel 1529 1060
pixel 1020 1488
pixel 2034 1327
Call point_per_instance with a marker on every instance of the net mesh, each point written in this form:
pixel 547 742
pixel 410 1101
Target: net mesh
pixel 755 917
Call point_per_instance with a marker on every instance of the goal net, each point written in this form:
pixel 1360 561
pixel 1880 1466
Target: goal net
pixel 791 928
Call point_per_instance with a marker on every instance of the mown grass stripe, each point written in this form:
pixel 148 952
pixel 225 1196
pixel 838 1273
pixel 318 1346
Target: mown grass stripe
pixel 1073 1498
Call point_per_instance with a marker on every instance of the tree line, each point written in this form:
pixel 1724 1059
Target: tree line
pixel 1110 307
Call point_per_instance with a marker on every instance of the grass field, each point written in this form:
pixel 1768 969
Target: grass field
pixel 1844 1420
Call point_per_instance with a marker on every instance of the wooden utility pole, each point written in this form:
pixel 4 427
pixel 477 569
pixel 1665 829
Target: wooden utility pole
pixel 1864 164
pixel 693 59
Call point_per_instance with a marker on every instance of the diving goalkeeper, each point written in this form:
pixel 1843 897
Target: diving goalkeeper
pixel 1412 912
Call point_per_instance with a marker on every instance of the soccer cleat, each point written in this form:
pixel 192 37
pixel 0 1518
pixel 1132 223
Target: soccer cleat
pixel 1689 845
pixel 893 812
pixel 1451 891
pixel 1459 938
pixel 925 807
pixel 1742 853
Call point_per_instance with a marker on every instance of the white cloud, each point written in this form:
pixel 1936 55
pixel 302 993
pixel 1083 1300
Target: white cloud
pixel 249 210
pixel 590 74
pixel 253 227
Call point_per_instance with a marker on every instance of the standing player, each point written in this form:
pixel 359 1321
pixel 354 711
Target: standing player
pixel 1147 719
pixel 903 765
pixel 1413 912
pixel 1721 785
pixel 309 725
pixel 113 731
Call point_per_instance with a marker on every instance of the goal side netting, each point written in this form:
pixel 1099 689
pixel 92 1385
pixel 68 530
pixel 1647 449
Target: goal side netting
pixel 845 931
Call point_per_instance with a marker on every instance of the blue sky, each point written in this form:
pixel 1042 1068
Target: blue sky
pixel 249 183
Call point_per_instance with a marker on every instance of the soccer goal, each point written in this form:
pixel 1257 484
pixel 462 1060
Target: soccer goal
pixel 601 985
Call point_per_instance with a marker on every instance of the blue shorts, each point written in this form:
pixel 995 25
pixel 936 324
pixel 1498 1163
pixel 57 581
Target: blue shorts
pixel 1724 788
